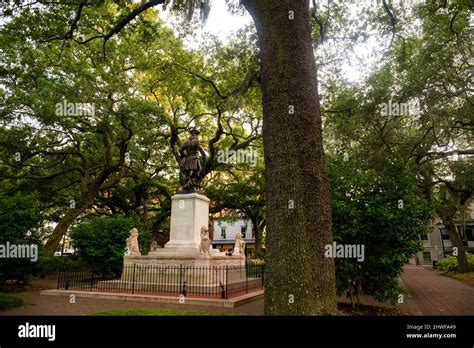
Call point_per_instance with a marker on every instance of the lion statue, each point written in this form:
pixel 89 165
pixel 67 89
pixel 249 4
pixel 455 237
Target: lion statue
pixel 132 244
pixel 239 247
pixel 205 246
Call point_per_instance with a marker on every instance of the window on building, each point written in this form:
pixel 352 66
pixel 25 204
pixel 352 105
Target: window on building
pixel 444 233
pixel 470 233
pixel 426 256
pixel 223 233
pixel 424 237
pixel 243 230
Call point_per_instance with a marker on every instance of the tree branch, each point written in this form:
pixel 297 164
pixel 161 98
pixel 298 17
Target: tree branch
pixel 124 21
pixel 70 33
pixel 320 24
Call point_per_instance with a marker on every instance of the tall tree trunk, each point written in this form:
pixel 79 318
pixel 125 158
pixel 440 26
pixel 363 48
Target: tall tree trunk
pixel 256 232
pixel 61 228
pixel 258 239
pixel 447 215
pixel 299 280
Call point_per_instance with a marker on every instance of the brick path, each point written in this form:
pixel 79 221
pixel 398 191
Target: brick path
pixel 431 293
pixel 428 293
pixel 59 305
pixel 37 304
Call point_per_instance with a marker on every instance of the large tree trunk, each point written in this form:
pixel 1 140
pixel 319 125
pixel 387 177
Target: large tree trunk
pixel 447 215
pixel 61 228
pixel 256 232
pixel 299 280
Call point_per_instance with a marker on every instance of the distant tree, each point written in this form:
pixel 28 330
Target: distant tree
pixel 384 212
pixel 20 219
pixel 101 240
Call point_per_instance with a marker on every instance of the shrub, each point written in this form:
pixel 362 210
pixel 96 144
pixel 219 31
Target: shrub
pixel 19 222
pixel 53 264
pixel 450 264
pixel 101 240
pixel 10 301
pixel 366 211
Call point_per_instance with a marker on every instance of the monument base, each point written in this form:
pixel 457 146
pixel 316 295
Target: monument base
pixel 168 257
pixel 173 269
pixel 181 263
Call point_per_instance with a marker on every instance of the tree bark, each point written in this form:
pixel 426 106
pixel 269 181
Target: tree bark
pixel 61 228
pixel 447 215
pixel 299 280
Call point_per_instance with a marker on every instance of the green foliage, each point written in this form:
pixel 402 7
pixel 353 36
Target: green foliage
pixel 53 264
pixel 153 312
pixel 19 222
pixel 450 264
pixel 10 301
pixel 101 240
pixel 366 211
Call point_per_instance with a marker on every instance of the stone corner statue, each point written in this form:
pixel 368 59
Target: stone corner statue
pixel 154 245
pixel 239 246
pixel 132 244
pixel 190 164
pixel 205 246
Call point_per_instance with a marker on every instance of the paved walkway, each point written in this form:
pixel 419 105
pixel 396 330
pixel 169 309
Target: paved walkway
pixel 431 293
pixel 428 293
pixel 37 304
pixel 59 305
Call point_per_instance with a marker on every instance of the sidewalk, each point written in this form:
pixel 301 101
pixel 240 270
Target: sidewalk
pixel 427 293
pixel 431 293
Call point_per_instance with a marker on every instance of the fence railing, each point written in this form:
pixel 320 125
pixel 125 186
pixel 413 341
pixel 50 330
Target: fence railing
pixel 165 280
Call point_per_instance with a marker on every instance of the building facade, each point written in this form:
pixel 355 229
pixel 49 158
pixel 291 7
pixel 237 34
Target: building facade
pixel 224 232
pixel 437 245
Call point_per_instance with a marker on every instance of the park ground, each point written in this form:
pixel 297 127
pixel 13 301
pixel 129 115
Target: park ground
pixel 427 292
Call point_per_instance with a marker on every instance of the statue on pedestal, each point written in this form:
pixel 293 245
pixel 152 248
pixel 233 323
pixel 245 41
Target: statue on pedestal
pixel 132 244
pixel 239 246
pixel 205 246
pixel 154 245
pixel 190 164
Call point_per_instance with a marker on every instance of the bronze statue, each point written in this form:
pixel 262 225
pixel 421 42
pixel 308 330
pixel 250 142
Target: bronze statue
pixel 190 164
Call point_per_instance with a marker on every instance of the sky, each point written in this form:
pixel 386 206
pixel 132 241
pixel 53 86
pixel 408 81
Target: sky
pixel 222 23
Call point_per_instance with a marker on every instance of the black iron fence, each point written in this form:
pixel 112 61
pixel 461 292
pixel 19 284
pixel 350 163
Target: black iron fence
pixel 165 280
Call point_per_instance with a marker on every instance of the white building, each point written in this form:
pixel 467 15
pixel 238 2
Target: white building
pixel 437 245
pixel 225 231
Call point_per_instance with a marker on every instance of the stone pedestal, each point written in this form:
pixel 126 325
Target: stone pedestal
pixel 189 213
pixel 180 267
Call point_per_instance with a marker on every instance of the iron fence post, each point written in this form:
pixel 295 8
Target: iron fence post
pixel 180 275
pixel 226 283
pixel 246 279
pixel 59 275
pixel 133 279
pixel 92 278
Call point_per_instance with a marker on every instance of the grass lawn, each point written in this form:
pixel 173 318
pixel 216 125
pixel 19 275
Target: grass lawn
pixel 467 278
pixel 10 301
pixel 154 312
